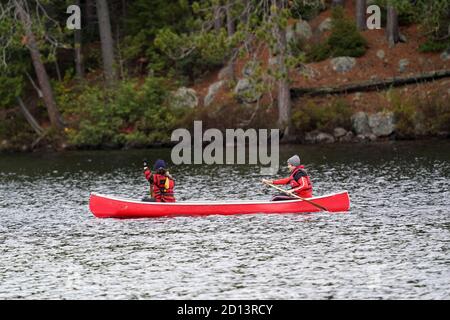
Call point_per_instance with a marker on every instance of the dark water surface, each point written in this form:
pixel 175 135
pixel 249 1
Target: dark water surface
pixel 393 244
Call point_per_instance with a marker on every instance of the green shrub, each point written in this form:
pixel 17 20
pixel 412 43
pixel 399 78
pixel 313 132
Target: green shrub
pixel 405 115
pixel 436 112
pixel 129 114
pixel 322 117
pixel 306 10
pixel 434 46
pixel 318 52
pixel 345 39
pixel 420 116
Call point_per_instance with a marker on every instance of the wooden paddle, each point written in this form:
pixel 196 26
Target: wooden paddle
pixel 296 196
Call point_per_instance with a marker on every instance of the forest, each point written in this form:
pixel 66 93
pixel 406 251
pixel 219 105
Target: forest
pixel 134 71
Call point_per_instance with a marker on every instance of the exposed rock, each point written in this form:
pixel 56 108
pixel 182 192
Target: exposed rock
pixel 212 91
pixel 371 137
pixel 360 123
pixel 184 98
pixel 343 64
pixel 403 63
pixel 361 138
pixel 382 124
pixel 348 137
pixel 323 137
pixel 225 73
pixel 325 25
pixel 308 71
pixel 339 132
pixel 445 56
pixel 246 92
pixel 381 54
pixel 402 38
pixel 319 137
pixel 4 145
pixel 303 30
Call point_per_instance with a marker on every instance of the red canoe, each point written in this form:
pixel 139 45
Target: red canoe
pixel 112 207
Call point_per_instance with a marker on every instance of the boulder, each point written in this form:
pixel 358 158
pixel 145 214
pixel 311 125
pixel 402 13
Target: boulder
pixel 349 136
pixel 382 124
pixel 323 137
pixel 343 64
pixel 319 137
pixel 303 30
pixel 325 25
pixel 339 132
pixel 4 145
pixel 212 91
pixel 184 98
pixel 360 123
pixel 445 56
pixel 402 38
pixel 381 54
pixel 361 138
pixel 402 64
pixel 246 92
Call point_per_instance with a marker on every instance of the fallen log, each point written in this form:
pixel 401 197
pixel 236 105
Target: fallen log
pixel 373 85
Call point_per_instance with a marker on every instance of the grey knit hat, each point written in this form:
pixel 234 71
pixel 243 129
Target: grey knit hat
pixel 294 160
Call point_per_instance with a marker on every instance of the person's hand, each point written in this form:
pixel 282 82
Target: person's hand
pixel 145 165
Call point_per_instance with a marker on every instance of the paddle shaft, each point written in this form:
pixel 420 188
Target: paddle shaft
pixel 296 196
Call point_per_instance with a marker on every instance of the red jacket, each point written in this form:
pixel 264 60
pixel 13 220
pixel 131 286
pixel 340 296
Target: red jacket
pixel 161 186
pixel 298 180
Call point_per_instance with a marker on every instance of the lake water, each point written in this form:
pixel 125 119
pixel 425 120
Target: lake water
pixel 393 244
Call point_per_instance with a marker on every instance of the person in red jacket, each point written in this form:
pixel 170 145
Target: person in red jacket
pixel 161 183
pixel 299 181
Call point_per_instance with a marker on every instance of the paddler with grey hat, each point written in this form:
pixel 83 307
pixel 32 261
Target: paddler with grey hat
pixel 299 181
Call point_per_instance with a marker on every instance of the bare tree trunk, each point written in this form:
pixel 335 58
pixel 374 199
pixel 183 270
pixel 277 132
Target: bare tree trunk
pixel 90 16
pixel 230 22
pixel 392 29
pixel 245 15
pixel 78 54
pixel 284 97
pixel 230 30
pixel 361 14
pixel 39 68
pixel 106 41
pixel 217 18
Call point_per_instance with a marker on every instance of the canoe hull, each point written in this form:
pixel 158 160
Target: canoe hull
pixel 103 206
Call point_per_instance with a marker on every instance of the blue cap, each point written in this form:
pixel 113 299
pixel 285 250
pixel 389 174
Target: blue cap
pixel 159 164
